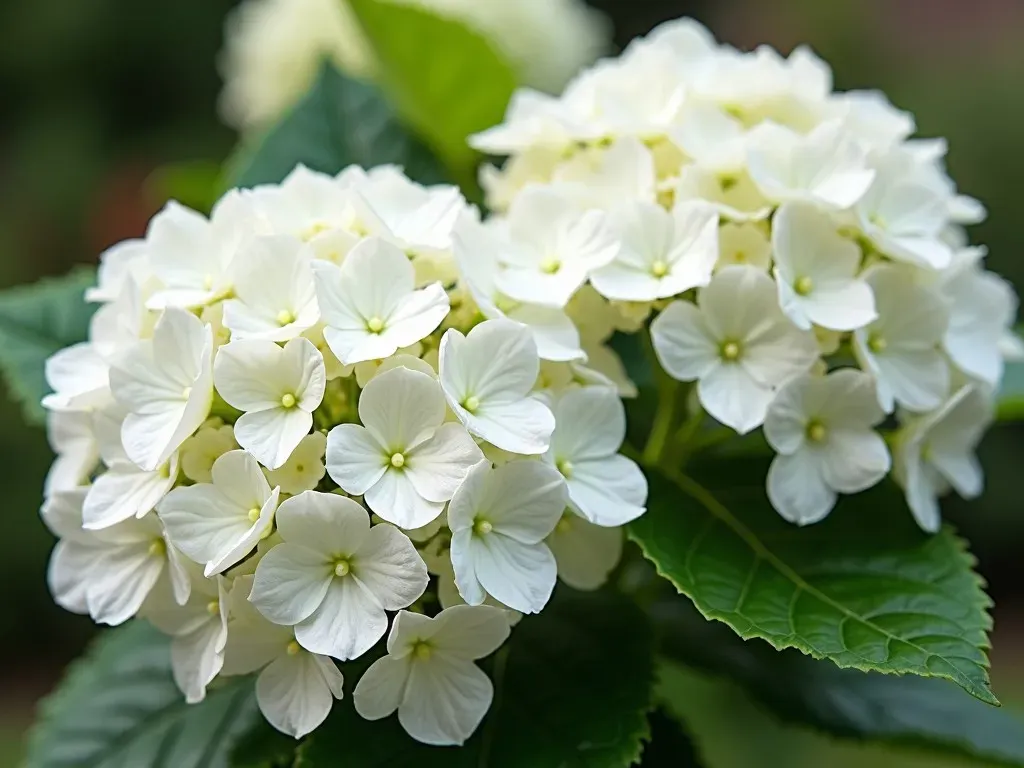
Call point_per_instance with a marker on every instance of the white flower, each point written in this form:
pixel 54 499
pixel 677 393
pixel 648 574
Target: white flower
pixel 124 490
pixel 736 343
pixel 603 177
pixel 71 437
pixel 369 306
pixel 274 294
pixel 499 518
pixel 734 195
pixel 314 207
pixel 826 167
pixel 901 348
pixel 429 675
pixel 335 576
pixel 219 523
pixel 200 451
pixel 604 487
pixel 277 388
pixel 118 264
pixel 295 689
pixel 476 247
pixel 904 217
pixel 192 257
pixel 555 244
pixel 78 376
pixel 199 632
pixel 304 468
pixel 109 573
pixel 166 384
pixel 714 140
pixel 404 460
pixel 821 426
pixel 982 306
pixel 743 244
pixel 816 270
pixel 936 451
pixel 487 376
pixel 662 254
pixel 585 553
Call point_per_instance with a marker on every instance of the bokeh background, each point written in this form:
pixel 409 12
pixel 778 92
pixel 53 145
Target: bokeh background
pixel 107 104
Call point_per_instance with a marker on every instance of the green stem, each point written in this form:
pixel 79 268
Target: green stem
pixel 664 417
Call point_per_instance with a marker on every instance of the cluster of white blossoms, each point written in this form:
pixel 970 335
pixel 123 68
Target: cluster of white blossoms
pixel 273 48
pixel 292 420
pixel 801 258
pixel 343 403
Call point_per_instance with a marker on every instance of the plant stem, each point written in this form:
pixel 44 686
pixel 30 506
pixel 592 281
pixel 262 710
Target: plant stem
pixel 664 417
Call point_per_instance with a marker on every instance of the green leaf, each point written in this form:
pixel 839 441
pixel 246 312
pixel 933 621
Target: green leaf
pixel 195 183
pixel 119 707
pixel 35 322
pixel 669 746
pixel 864 588
pixel 845 703
pixel 572 688
pixel 339 122
pixel 447 79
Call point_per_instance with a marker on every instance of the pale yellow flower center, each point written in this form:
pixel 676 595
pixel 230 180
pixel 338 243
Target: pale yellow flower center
pixel 288 400
pixel 397 460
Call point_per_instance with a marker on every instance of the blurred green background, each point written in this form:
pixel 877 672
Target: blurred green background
pixel 97 95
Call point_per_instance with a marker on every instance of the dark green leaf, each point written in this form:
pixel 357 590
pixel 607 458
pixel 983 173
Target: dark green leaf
pixel 263 746
pixel 35 322
pixel 339 122
pixel 845 703
pixel 669 746
pixel 119 707
pixel 446 78
pixel 864 588
pixel 572 688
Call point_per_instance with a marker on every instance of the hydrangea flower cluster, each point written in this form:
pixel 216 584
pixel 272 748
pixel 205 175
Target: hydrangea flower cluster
pixel 801 257
pixel 347 403
pixel 292 420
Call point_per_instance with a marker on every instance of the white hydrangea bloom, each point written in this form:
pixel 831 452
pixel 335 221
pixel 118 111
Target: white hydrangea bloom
pixel 107 574
pixel 662 254
pixel 123 490
pixel 217 524
pixel 274 296
pixel 735 343
pixel 278 388
pixel 79 378
pixel 817 271
pixel 555 244
pixel 826 167
pixel 71 438
pixel 199 631
pixel 901 348
pixel 369 304
pixel 166 385
pixel 604 487
pixel 295 689
pixel 404 460
pixel 821 427
pixel 429 677
pixel 936 452
pixel 334 576
pixel 487 376
pixel 499 518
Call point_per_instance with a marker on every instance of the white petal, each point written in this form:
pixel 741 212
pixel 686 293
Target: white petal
pixel 521 576
pixel 293 694
pixel 290 583
pixel 855 461
pixel 610 492
pixel 124 577
pixel 197 657
pixel 464 567
pixel 590 423
pixel 249 374
pixel 521 426
pixel 445 700
pixel 125 491
pixel 323 522
pixel 797 489
pixel 389 566
pixel 729 394
pixel 554 333
pixel 401 408
pixel 437 466
pixel 347 624
pixel 271 436
pixel 355 460
pixel 380 690
pixel 683 342
pixel 394 498
pixel 417 316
